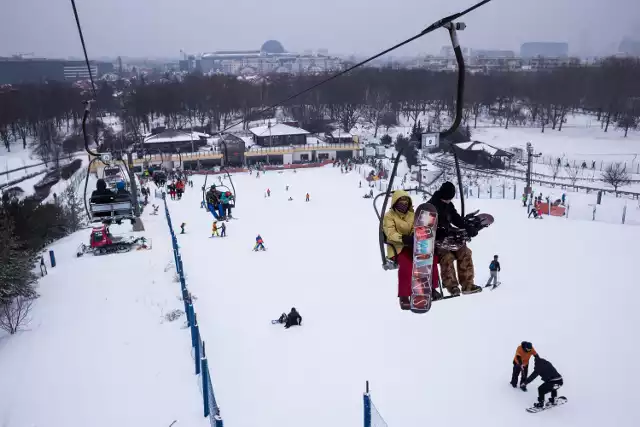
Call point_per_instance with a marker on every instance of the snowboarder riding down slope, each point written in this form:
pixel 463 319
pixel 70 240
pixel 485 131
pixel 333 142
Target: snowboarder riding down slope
pixel 521 364
pixel 551 380
pixel 449 223
pixel 494 268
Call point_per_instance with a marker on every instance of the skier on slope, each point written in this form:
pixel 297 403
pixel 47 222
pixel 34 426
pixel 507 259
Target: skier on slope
pixel 259 244
pixel 494 268
pixel 448 221
pixel 551 380
pixel 521 364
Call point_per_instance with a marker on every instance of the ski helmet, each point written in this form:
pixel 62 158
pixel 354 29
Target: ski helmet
pixel 527 346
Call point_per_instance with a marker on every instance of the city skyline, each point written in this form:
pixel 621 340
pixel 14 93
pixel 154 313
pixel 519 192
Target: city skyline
pixel 162 28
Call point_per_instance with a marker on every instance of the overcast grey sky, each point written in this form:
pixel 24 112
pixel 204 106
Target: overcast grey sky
pixel 160 28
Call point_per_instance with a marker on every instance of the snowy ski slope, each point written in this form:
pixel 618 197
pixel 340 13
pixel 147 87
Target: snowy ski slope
pixel 568 286
pixel 98 351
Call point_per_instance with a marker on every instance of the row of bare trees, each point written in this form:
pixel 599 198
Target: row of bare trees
pixel 379 97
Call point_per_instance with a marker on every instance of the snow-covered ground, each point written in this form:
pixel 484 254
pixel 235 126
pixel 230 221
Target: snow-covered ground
pixel 98 350
pixel 453 364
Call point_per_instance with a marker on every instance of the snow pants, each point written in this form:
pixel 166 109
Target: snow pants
pixel 448 271
pixel 217 213
pixel 493 278
pixel 517 370
pixel 405 271
pixel 549 386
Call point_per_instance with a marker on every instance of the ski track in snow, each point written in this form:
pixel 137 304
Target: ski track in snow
pixel 453 363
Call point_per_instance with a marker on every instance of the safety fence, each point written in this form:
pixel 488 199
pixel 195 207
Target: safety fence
pixel 372 417
pixel 210 406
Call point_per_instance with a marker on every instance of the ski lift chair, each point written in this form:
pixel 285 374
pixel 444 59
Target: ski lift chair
pixel 111 208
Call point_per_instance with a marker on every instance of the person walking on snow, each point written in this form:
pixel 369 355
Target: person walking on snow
pixel 494 268
pixel 259 244
pixel 448 221
pixel 307 198
pixel 268 192
pixel 521 364
pixel 551 380
pixel 223 230
pixel 214 229
pixel 524 200
pixel 182 227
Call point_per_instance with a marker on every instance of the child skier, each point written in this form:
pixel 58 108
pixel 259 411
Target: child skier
pixel 524 200
pixel 551 380
pixel 259 244
pixel 494 268
pixel 268 192
pixel 223 230
pixel 214 229
pixel 521 364
pixel 182 227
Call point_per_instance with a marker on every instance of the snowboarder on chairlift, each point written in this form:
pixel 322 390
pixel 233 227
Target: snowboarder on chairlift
pixel 551 380
pixel 494 268
pixel 259 244
pixel 521 364
pixel 449 222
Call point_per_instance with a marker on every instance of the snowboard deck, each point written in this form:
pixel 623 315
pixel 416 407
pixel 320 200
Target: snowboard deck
pixel 560 400
pixel 423 252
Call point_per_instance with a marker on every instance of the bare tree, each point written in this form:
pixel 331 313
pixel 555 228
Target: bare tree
pixel 573 172
pixel 14 313
pixel 555 169
pixel 616 175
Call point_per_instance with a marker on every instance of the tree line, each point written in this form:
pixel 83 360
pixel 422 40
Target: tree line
pixel 377 97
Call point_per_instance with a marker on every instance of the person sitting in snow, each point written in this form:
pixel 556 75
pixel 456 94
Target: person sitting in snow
pixel 293 319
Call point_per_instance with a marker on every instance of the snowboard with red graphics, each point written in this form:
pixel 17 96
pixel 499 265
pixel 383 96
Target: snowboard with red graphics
pixel 424 241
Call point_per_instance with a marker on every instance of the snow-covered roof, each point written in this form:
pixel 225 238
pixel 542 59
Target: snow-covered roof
pixel 481 146
pixel 339 133
pixel 173 135
pixel 278 129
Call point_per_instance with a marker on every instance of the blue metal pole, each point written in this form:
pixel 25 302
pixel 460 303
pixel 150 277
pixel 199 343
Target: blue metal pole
pixel 52 256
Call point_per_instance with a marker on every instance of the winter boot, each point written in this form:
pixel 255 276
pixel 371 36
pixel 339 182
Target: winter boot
pixel 514 385
pixel 405 303
pixel 552 401
pixel 538 405
pixel 471 289
pixel 454 291
pixel 523 387
pixel 435 295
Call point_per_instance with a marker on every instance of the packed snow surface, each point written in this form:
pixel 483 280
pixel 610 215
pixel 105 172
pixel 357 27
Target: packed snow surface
pixel 452 365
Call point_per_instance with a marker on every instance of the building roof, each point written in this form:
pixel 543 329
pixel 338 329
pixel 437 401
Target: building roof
pixel 174 135
pixel 339 133
pixel 481 146
pixel 278 129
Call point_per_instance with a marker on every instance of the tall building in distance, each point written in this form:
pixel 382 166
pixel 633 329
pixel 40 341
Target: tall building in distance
pixel 544 49
pixel 16 70
pixel 629 47
pixel 270 58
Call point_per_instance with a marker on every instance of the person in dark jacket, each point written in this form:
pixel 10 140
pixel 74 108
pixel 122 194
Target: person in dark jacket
pixel 449 220
pixel 551 380
pixel 293 319
pixel 494 268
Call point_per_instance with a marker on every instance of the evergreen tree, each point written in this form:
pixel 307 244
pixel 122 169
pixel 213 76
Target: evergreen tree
pixel 16 275
pixel 73 207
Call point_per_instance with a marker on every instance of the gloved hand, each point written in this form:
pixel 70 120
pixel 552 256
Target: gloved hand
pixel 407 240
pixel 471 230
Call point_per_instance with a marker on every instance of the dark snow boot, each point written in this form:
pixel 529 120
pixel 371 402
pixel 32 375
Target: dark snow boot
pixel 471 289
pixel 523 387
pixel 405 303
pixel 454 291
pixel 514 385
pixel 551 402
pixel 538 405
pixel 435 295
